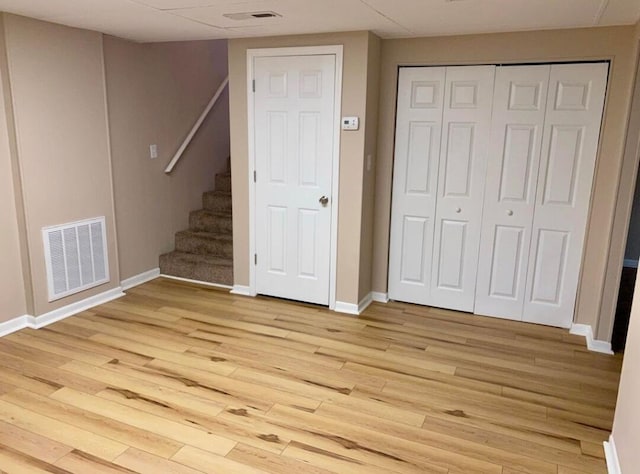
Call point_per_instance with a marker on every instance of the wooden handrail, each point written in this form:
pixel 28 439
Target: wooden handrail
pixel 196 126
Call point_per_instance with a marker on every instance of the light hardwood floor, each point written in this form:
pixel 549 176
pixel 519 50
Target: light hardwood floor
pixel 176 378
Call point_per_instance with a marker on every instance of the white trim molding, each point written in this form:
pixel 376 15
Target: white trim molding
pixel 37 322
pixel 346 308
pixel 364 304
pixel 380 297
pixel 14 324
pixel 336 50
pixel 611 455
pixel 355 309
pixel 242 290
pixel 197 282
pixel 75 308
pixel 140 279
pixel 592 344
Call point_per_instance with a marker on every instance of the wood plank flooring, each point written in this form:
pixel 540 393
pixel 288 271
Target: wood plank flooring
pixel 177 378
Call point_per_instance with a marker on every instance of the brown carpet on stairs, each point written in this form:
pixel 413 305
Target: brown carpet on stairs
pixel 204 252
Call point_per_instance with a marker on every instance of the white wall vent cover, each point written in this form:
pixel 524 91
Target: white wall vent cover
pixel 76 257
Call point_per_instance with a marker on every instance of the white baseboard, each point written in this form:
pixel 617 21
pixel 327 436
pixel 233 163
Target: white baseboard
pixel 75 308
pixel 380 297
pixel 611 455
pixel 37 322
pixel 197 282
pixel 140 279
pixel 14 324
pixel 241 290
pixel 356 309
pixel 365 302
pixel 592 344
pixel 630 263
pixel 347 308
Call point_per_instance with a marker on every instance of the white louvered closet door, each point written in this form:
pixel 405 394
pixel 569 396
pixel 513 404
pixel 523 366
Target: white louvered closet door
pixel 520 100
pixel 463 158
pixel 415 180
pixel 565 178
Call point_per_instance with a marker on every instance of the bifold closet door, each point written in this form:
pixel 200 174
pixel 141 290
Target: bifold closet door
pixel 569 148
pixel 520 100
pixel 415 180
pixel 463 157
pixel 501 235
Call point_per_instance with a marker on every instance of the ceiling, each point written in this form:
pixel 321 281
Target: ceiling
pixel 173 20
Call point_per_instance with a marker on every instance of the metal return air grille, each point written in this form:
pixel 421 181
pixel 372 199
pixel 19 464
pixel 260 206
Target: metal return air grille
pixel 76 257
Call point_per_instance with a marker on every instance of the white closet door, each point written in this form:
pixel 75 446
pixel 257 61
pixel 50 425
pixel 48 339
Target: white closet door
pixel 415 179
pixel 569 148
pixel 465 137
pixel 520 99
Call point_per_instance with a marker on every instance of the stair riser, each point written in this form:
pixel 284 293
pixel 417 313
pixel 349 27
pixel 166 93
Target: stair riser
pixel 223 182
pixel 193 244
pixel 221 275
pixel 216 203
pixel 209 223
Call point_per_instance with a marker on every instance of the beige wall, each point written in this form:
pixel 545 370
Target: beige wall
pixel 352 150
pixel 623 221
pixel 55 147
pixel 155 94
pixel 614 44
pixel 626 424
pixel 9 122
pixel 628 177
pixel 57 82
pixel 13 296
pixel 369 174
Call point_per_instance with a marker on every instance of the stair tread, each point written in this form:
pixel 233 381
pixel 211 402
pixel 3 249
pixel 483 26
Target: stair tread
pixel 199 258
pixel 213 213
pixel 207 235
pixel 204 251
pixel 199 267
pixel 225 194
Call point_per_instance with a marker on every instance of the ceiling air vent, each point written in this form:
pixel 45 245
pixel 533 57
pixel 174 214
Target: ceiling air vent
pixel 252 15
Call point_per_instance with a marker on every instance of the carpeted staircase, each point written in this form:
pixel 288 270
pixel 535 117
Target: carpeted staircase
pixel 204 252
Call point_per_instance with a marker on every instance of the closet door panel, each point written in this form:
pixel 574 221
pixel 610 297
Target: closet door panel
pixel 510 189
pixel 570 144
pixel 465 136
pixel 417 154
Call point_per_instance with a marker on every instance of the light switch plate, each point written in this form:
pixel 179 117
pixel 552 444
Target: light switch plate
pixel 153 151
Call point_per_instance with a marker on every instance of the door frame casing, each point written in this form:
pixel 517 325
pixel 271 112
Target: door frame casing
pixel 252 54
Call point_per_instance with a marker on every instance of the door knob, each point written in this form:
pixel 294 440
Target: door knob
pixel 458 210
pixel 509 212
pixel 324 200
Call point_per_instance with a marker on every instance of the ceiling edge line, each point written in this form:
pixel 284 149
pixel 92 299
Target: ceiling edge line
pixel 386 17
pixel 604 4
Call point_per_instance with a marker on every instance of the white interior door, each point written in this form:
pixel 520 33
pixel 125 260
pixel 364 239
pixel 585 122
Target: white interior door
pixel 569 148
pixel 415 181
pixel 520 99
pixel 463 157
pixel 294 132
